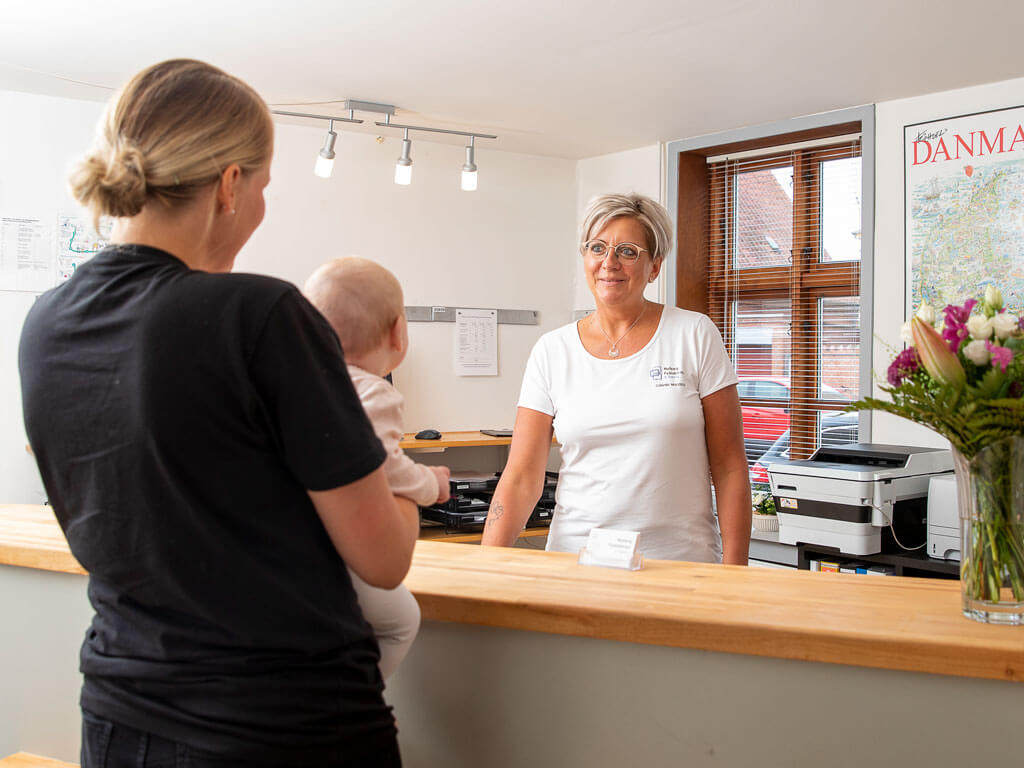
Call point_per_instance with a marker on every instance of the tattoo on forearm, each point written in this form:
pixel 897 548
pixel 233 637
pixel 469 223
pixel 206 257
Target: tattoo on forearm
pixel 497 510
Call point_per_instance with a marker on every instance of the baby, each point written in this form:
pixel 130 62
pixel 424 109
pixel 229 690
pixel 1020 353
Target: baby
pixel 363 303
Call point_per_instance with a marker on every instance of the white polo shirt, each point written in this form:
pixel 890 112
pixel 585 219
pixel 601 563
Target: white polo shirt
pixel 632 435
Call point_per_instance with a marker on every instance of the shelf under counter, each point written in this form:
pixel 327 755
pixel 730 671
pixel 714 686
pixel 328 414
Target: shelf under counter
pixel 457 439
pixel 466 439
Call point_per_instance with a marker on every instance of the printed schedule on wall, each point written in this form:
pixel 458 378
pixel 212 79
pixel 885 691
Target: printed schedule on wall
pixel 476 342
pixel 26 255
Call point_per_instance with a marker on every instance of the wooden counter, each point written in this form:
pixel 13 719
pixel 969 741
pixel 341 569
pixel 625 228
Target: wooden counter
pixel 888 623
pixel 30 537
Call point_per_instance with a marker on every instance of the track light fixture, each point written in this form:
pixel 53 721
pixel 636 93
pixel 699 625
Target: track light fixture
pixel 469 171
pixel 325 160
pixel 403 167
pixel 469 168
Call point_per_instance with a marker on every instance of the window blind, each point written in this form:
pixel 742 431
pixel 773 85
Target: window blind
pixel 784 289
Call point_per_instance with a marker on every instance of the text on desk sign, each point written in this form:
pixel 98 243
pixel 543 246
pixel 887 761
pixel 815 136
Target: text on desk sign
pixel 612 549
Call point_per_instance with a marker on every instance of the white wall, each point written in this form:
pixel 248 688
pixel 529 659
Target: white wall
pixel 635 170
pixel 890 270
pixel 503 246
pixel 39 138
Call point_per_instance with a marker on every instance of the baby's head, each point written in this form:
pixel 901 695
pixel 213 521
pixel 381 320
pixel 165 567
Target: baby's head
pixel 363 303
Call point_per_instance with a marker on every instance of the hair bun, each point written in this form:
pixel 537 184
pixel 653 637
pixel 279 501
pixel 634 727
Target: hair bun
pixel 124 181
pixel 112 180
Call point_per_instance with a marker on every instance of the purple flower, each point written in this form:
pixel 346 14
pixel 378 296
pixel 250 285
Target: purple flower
pixel 955 329
pixel 1001 356
pixel 906 363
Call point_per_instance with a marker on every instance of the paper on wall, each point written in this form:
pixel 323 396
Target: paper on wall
pixel 26 263
pixel 476 342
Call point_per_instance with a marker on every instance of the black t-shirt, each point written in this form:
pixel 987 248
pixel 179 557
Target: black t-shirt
pixel 178 418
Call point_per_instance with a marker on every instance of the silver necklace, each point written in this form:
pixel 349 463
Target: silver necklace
pixel 613 350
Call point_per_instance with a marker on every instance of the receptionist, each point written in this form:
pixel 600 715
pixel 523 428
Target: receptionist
pixel 642 398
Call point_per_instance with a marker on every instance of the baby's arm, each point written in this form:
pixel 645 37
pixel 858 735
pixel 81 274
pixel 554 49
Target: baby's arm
pixel 444 475
pixel 423 484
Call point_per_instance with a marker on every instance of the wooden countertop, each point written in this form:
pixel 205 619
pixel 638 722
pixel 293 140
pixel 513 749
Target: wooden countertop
pixel 26 760
pixel 31 537
pixel 889 623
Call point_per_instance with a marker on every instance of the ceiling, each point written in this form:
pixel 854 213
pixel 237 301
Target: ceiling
pixel 573 79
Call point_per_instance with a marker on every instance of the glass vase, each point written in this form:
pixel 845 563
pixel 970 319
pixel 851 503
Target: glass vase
pixel 990 494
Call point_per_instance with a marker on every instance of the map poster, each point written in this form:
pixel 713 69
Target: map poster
pixel 77 242
pixel 965 208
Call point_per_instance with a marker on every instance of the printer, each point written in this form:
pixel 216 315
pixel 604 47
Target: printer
pixel 943 519
pixel 844 496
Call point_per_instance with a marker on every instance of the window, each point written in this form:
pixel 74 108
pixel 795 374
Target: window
pixel 770 247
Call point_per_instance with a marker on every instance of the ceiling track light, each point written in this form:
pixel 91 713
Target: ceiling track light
pixel 403 167
pixel 469 168
pixel 325 160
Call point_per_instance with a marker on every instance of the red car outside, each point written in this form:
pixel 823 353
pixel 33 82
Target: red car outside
pixel 762 426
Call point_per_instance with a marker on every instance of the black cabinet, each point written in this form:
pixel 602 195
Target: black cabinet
pixel 903 563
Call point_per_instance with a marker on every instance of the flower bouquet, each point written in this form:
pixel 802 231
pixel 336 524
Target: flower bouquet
pixel 966 382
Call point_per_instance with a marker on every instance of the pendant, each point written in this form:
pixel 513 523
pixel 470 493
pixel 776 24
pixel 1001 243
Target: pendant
pixel 613 351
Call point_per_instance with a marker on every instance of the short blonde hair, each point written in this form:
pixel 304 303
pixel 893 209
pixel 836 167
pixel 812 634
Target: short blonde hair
pixel 650 214
pixel 169 132
pixel 360 299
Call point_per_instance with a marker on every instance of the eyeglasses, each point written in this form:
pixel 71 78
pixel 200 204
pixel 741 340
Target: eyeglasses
pixel 598 249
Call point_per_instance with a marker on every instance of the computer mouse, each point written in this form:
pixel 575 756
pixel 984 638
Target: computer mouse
pixel 428 434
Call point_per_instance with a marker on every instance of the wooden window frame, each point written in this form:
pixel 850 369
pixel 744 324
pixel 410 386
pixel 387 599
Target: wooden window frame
pixel 803 283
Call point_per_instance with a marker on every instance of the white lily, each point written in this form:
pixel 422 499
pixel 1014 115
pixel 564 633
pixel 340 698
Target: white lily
pixel 994 298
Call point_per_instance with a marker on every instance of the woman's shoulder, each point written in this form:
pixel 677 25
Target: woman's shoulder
pixel 561 336
pixel 680 320
pixel 684 316
pixel 239 304
pixel 242 289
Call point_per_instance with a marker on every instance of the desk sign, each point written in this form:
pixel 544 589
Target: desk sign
pixel 612 549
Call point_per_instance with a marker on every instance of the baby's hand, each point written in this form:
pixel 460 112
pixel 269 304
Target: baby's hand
pixel 443 474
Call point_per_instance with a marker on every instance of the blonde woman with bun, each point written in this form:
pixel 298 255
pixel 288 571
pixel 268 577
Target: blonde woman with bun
pixel 208 459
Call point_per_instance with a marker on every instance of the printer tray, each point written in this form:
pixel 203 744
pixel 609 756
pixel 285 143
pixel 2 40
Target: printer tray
pixel 470 512
pixel 456 520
